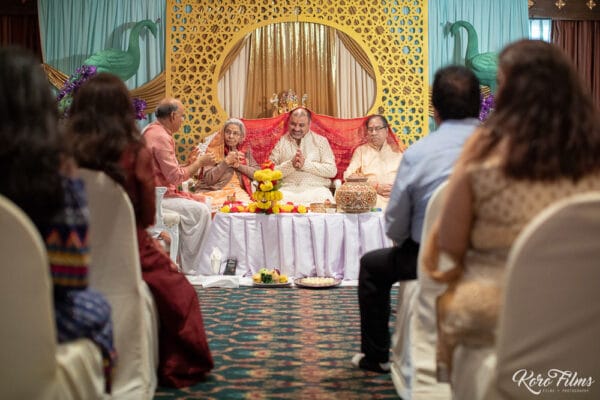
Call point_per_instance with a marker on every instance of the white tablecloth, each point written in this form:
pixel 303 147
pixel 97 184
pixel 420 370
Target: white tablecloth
pixel 299 245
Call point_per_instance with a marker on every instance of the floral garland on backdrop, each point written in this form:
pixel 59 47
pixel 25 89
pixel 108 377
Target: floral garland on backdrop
pixel 267 195
pixel 487 106
pixel 74 82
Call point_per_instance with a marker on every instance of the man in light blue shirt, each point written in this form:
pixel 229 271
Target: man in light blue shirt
pixel 424 165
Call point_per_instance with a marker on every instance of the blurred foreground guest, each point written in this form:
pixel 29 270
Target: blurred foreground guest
pixel 541 144
pixel 40 179
pixel 104 136
pixel 424 166
pixel 378 159
pixel 306 161
pixel 195 215
pixel 233 175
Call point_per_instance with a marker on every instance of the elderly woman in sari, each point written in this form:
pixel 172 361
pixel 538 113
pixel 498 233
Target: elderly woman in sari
pixel 231 176
pixel 377 159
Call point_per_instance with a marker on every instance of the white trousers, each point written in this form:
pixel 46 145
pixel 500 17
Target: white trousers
pixel 193 229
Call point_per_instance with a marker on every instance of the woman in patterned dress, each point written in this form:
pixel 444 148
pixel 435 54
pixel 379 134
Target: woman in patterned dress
pixel 40 179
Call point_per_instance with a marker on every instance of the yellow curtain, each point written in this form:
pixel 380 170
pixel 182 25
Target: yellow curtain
pixel 291 55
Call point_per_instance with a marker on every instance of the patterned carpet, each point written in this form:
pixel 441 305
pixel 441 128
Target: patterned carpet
pixel 283 343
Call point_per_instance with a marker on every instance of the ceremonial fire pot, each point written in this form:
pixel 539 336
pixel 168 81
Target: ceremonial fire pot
pixel 355 196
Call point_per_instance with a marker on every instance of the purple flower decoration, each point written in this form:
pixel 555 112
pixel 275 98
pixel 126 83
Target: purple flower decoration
pixel 140 106
pixel 72 85
pixel 487 106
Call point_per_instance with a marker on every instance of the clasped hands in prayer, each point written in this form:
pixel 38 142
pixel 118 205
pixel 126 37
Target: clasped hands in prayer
pixel 298 160
pixel 235 158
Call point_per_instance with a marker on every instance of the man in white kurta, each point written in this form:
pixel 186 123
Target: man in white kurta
pixel 306 161
pixel 376 160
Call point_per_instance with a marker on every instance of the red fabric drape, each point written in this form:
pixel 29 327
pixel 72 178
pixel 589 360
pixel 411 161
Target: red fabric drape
pixel 344 135
pixel 581 41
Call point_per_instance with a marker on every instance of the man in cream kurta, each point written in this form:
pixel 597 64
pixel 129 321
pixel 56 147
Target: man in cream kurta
pixel 306 161
pixel 376 160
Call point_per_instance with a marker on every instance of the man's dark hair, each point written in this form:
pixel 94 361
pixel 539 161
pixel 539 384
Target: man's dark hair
pixel 456 93
pixel 164 110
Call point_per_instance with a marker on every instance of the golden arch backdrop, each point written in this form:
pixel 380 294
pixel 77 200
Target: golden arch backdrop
pixel 200 34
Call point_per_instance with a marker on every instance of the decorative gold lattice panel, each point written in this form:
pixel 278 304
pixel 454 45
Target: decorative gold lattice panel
pixel 393 34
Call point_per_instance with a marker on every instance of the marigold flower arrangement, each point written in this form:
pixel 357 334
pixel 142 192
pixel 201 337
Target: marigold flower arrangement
pixel 267 195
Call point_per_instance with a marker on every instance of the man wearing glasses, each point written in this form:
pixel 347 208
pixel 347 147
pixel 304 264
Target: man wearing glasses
pixel 378 159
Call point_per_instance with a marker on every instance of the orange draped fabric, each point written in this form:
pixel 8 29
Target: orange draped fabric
pixel 344 135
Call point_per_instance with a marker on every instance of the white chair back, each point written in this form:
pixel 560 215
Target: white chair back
pixel 115 271
pixel 33 367
pixel 550 322
pixel 414 364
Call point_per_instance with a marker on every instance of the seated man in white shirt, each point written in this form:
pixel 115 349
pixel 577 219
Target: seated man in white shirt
pixel 306 161
pixel 378 159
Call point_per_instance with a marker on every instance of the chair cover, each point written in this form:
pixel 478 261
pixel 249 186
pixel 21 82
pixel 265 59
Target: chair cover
pixel 115 271
pixel 167 221
pixel 33 365
pixel 551 315
pixel 413 360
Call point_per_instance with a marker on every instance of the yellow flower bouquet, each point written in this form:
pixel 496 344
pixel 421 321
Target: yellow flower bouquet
pixel 267 195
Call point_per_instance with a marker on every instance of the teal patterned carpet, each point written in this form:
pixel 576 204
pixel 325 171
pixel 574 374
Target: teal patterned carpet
pixel 283 343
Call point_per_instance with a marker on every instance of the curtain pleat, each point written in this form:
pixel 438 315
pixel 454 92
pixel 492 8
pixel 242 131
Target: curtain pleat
pixel 357 52
pixel 297 56
pixel 232 56
pixel 231 87
pixel 355 87
pixel 581 41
